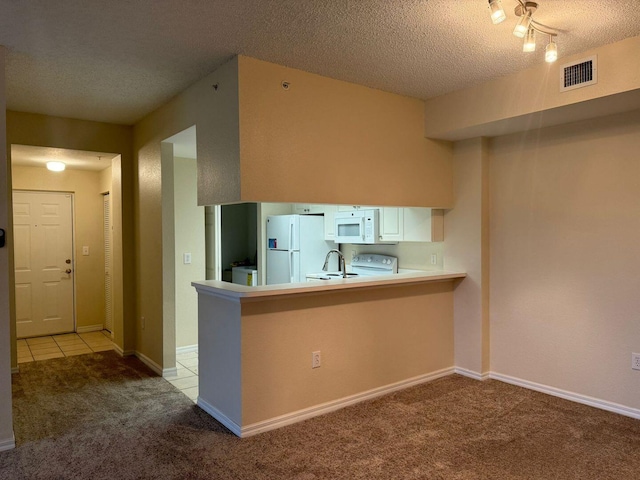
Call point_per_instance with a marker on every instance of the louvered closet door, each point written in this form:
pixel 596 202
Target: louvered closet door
pixel 108 322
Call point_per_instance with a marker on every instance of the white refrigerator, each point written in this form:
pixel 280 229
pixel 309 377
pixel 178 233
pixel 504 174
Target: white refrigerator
pixel 296 247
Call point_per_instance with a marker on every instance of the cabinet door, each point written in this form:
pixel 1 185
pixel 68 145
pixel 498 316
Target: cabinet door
pixel 391 224
pixel 351 208
pixel 306 208
pixel 329 222
pixel 423 225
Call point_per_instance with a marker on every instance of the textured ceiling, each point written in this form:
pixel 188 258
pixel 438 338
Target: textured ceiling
pixel 116 60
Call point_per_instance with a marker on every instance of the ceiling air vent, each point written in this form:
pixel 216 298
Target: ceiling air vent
pixel 579 74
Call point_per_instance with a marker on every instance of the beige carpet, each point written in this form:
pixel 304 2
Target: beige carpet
pixel 99 416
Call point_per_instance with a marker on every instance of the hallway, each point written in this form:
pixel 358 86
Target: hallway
pixel 65 345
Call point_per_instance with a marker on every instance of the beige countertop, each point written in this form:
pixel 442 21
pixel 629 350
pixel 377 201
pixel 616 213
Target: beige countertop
pixel 242 293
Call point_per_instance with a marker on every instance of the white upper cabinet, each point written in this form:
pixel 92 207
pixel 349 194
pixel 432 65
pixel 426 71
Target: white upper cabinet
pixel 306 208
pixel 391 224
pixel 329 222
pixel 397 224
pixel 423 224
pixel 351 208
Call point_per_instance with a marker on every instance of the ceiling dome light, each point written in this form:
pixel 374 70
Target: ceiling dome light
pixel 529 44
pixel 497 12
pixel 56 166
pixel 551 52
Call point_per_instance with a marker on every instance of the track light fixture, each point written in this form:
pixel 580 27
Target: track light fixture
pixel 526 27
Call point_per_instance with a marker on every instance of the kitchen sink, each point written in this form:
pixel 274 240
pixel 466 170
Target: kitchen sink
pixel 329 276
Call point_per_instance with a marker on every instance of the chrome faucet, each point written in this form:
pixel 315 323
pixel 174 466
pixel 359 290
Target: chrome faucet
pixel 341 262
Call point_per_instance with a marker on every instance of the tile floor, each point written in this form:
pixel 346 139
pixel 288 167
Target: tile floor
pixel 186 377
pixel 66 345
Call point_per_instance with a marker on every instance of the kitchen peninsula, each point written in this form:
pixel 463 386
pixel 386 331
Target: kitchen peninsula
pixel 370 336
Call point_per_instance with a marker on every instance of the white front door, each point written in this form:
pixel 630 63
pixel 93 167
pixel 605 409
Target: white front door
pixel 43 255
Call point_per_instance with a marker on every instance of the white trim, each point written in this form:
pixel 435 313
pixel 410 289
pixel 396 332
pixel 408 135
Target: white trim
pixel 187 349
pixel 219 416
pixel 170 372
pixel 471 374
pixel 8 444
pixel 574 397
pixel 149 363
pixel 321 409
pixel 90 328
pixel 122 353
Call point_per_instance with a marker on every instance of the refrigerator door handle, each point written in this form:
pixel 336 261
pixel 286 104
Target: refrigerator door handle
pixel 291 267
pixel 291 234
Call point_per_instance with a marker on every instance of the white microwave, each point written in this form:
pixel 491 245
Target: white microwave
pixel 359 226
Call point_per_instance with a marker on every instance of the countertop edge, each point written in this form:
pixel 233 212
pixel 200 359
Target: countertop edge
pixel 241 293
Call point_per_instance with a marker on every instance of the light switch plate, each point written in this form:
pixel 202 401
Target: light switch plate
pixel 85 250
pixel 186 258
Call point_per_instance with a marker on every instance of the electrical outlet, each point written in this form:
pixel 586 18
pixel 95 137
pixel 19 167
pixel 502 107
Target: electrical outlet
pixel 186 258
pixel 315 359
pixel 142 322
pixel 635 361
pixel 85 251
pixel 434 259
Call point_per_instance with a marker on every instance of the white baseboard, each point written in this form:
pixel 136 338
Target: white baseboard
pixel 471 374
pixel 15 370
pixel 169 372
pixel 8 444
pixel 187 349
pixel 123 353
pixel 90 328
pixel 316 410
pixel 149 363
pixel 219 416
pixel 574 397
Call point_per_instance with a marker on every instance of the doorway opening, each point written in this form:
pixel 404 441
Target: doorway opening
pixel 183 251
pixel 61 280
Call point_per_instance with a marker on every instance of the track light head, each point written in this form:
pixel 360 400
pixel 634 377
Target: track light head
pixel 551 52
pixel 529 44
pixel 497 12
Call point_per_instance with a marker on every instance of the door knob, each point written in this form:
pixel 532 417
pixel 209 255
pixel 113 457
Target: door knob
pixel 67 271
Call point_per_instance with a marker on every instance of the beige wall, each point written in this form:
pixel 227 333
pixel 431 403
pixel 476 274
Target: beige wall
pixel 467 249
pixel 46 131
pixel 505 104
pixel 328 141
pixel 189 237
pixel 361 347
pixel 6 266
pixel 565 229
pixel 88 230
pixel 283 169
pixel 374 338
pixel 154 226
pixel 106 180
